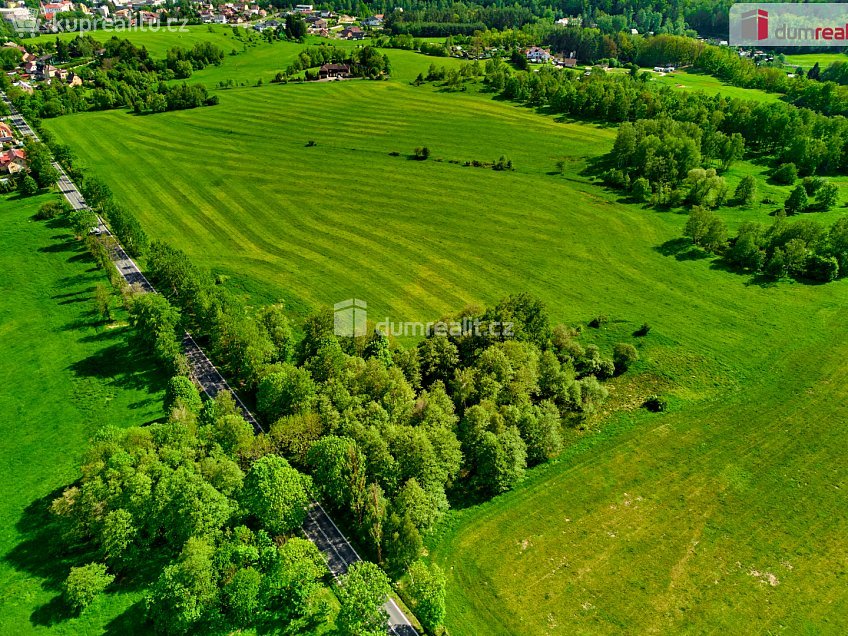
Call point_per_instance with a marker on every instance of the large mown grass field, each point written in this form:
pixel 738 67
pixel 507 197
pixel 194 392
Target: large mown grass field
pixel 725 514
pixel 63 376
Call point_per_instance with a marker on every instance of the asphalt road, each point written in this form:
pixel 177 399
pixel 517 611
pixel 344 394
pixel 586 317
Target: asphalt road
pixel 340 554
pixel 318 527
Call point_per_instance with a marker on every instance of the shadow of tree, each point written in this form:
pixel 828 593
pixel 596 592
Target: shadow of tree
pixel 132 621
pixel 682 249
pixel 120 364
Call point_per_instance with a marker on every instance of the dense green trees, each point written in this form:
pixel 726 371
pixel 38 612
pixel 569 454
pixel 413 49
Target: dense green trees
pixel 276 494
pixel 803 249
pixel 172 496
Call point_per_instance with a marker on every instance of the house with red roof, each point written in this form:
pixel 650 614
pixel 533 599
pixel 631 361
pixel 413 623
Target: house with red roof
pixel 13 161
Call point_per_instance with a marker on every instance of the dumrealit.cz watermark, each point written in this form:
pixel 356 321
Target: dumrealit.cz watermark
pixel 776 24
pixel 350 319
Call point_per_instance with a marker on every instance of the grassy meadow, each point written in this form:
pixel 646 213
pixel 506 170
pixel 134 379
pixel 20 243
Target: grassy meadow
pixel 64 375
pixel 808 60
pixel 694 81
pixel 725 514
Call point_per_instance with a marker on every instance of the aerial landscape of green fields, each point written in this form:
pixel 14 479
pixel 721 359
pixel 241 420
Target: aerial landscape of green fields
pixel 354 320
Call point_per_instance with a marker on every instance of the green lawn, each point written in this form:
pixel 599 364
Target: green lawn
pixel 63 376
pixel 687 80
pixel 807 60
pixel 725 514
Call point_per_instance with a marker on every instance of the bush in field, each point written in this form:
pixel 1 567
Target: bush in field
pixel 86 583
pixel 786 174
pixel 656 404
pixel 623 355
pixel 797 201
pixel 52 210
pixel 827 195
pixel 705 229
pixel 746 191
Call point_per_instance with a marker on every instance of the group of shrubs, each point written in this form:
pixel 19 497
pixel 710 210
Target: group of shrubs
pixel 804 249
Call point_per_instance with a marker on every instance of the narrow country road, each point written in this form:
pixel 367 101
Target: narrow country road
pixel 318 527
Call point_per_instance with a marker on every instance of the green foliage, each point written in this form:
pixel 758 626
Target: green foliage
pixel 827 195
pixel 623 355
pixel 276 494
pixel 185 591
pixel 82 221
pixel 746 191
pixel 426 587
pixel 182 392
pixel 786 173
pixel 707 189
pixel 705 229
pixel 797 201
pixel 362 592
pixel 288 391
pixel 27 186
pixel 52 210
pixel 86 583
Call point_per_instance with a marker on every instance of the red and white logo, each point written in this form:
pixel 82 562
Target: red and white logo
pixel 755 24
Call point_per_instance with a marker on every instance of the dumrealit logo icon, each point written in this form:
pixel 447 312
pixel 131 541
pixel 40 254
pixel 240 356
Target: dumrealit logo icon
pixel 755 24
pixel 350 318
pixel 789 24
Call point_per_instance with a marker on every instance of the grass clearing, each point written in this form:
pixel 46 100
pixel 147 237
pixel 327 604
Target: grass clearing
pixel 63 377
pixel 691 80
pixel 808 60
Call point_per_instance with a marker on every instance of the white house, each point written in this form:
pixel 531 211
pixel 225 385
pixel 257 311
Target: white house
pixel 536 54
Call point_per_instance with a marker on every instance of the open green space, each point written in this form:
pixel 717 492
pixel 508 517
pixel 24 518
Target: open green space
pixel 726 513
pixel 64 375
pixel 691 80
pixel 808 60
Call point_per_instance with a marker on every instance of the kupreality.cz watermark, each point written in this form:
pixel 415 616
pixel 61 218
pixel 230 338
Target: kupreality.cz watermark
pixel 34 26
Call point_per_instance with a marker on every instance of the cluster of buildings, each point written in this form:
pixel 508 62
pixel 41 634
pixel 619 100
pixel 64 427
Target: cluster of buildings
pixel 34 68
pixel 12 156
pixel 328 23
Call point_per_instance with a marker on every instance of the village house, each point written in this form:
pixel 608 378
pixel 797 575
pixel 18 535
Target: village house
pixel 50 9
pixel 333 71
pixel 373 22
pixel 13 161
pixel 26 87
pixel 352 33
pixel 536 54
pixel 7 135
